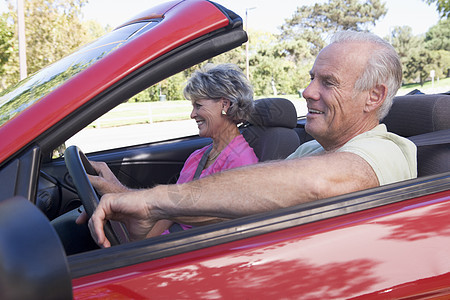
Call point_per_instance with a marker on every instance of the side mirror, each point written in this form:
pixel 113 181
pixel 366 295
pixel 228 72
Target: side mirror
pixel 33 264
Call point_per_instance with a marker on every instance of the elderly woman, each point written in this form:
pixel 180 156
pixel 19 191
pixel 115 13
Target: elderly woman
pixel 221 98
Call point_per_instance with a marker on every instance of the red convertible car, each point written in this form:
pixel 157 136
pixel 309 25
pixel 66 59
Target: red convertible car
pixel 389 242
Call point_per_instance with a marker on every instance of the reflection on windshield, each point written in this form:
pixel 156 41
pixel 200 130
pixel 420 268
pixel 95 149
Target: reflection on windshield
pixel 35 87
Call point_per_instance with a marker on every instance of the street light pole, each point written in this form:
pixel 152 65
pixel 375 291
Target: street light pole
pixel 22 42
pixel 247 67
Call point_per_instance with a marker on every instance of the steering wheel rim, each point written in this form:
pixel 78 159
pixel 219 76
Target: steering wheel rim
pixel 78 166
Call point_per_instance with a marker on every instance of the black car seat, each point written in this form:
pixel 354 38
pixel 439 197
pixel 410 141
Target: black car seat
pixel 270 129
pixel 413 116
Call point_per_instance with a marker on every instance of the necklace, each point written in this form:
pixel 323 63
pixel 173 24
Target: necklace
pixel 213 157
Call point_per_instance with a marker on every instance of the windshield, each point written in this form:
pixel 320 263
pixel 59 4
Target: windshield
pixel 35 87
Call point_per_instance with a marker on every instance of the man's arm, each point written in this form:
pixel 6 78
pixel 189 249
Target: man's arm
pixel 264 187
pixel 236 193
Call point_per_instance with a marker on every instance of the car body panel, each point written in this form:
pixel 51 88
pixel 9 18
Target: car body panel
pixel 337 258
pixel 387 242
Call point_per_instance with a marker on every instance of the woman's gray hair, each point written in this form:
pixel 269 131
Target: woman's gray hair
pixel 383 66
pixel 224 81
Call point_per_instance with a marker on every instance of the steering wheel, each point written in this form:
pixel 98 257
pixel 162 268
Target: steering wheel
pixel 79 166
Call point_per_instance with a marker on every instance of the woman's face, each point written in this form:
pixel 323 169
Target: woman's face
pixel 208 115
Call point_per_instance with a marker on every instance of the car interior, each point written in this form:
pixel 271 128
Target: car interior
pixel 274 131
pixel 420 116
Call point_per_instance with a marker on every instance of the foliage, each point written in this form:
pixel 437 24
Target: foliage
pixel 94 30
pixel 419 55
pixel 314 23
pixel 442 6
pixel 235 56
pixel 51 33
pixel 304 35
pixel 437 39
pixel 438 36
pixel 278 67
pixel 404 42
pixel 423 61
pixel 6 48
pixel 147 95
pixel 278 64
pixel 441 63
pixel 170 88
pixel 53 30
pixel 418 64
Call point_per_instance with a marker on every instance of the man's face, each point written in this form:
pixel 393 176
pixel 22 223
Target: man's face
pixel 335 109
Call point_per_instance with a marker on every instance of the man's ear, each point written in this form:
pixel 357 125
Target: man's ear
pixel 377 95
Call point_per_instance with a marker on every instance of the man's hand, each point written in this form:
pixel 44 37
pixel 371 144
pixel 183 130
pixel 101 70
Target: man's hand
pixel 105 182
pixel 129 208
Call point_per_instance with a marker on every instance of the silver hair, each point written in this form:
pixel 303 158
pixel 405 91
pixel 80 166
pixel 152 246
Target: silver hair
pixel 224 81
pixel 383 66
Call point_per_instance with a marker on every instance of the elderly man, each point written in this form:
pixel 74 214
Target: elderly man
pixel 353 82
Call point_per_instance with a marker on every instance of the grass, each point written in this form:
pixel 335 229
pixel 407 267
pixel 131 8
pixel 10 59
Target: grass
pixel 150 112
pixel 442 85
pixel 145 112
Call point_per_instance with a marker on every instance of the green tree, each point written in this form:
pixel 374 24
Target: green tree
pixel 441 63
pixel 415 58
pixel 313 23
pixel 53 29
pixel 403 40
pixel 6 49
pixel 438 36
pixel 419 64
pixel 421 54
pixel 235 56
pixel 437 39
pixel 442 6
pixel 278 67
pixel 173 86
pixel 150 94
pixel 94 29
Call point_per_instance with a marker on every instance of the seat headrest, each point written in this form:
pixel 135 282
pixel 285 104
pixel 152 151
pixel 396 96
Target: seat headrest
pixel 417 114
pixel 274 112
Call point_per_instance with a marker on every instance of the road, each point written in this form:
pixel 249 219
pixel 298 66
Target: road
pixel 96 139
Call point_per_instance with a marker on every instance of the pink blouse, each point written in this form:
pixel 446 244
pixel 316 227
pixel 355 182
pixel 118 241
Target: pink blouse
pixel 236 154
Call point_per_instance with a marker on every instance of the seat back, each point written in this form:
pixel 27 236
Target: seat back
pixel 270 131
pixel 417 114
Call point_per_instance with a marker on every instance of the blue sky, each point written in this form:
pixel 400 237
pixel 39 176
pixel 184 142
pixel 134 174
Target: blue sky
pixel 268 15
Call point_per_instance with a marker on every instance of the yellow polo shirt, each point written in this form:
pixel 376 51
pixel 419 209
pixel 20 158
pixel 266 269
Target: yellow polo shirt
pixel 392 157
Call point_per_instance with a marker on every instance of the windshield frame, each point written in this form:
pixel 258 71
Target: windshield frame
pixel 17 98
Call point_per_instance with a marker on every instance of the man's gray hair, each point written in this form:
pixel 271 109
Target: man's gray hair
pixel 383 66
pixel 224 81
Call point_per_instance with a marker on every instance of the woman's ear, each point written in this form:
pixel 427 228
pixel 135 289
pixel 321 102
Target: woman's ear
pixel 225 104
pixel 377 95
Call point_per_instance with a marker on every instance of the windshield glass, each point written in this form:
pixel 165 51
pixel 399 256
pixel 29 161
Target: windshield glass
pixel 35 87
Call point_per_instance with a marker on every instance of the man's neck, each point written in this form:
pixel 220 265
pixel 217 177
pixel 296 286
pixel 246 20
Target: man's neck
pixel 333 145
